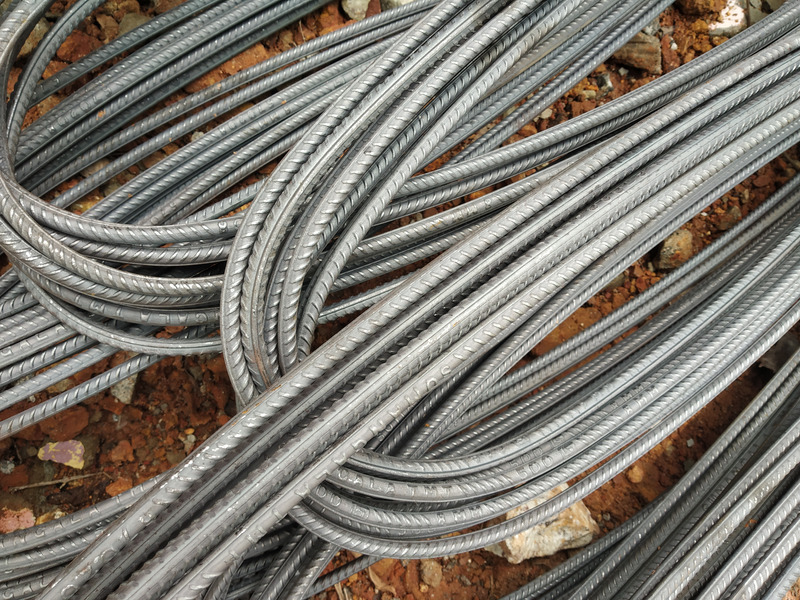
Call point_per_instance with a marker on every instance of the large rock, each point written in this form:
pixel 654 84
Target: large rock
pixel 642 52
pixel 571 528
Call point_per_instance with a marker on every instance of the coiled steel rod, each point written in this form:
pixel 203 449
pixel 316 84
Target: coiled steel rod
pixel 367 441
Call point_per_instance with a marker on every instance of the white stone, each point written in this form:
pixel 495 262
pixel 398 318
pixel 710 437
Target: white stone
pixel 388 4
pixel 571 528
pixel 355 9
pixel 732 19
pixel 123 391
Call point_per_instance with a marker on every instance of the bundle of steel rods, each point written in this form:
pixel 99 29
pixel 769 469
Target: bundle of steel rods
pixel 410 426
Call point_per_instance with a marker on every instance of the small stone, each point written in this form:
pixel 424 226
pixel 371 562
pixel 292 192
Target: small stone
pixel 689 443
pixel 465 581
pixel 50 516
pixel 381 574
pixel 123 484
pixel 604 83
pixel 95 167
pixel 614 283
pixel 39 31
pixel 108 26
pixel 197 135
pixel 7 466
pixel 12 520
pixel 635 474
pixel 606 517
pixel 69 453
pixel 430 571
pixel 652 27
pixel 66 424
pixel 546 113
pixel 81 206
pixel 188 442
pixel 123 390
pixel 642 52
pixel 355 9
pixel 571 528
pixel 60 386
pixel 131 21
pixel 122 452
pixel 669 55
pixel 111 404
pixel 729 218
pixel 700 7
pixel 174 457
pixel 675 250
pixel 153 159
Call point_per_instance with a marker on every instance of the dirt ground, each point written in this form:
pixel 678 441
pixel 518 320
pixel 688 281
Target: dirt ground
pixel 130 435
